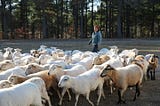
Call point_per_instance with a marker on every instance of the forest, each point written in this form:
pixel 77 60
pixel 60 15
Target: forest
pixel 73 19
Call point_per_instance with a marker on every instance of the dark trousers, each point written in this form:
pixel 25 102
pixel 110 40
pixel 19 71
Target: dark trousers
pixel 95 48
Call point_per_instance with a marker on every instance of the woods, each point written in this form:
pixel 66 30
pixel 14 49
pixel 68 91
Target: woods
pixel 66 19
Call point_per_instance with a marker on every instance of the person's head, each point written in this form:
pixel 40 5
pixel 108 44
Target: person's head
pixel 96 28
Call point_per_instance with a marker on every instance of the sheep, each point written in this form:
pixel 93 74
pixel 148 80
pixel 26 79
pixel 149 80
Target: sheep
pixel 86 62
pixel 1 56
pixel 98 60
pixel 17 53
pixel 90 80
pixel 44 58
pixel 41 85
pixel 128 55
pixel 16 70
pixel 124 77
pixel 34 67
pixel 24 94
pixel 153 64
pixel 59 71
pixel 50 80
pixel 114 62
pixel 6 64
pixel 8 53
pixel 144 63
pixel 5 84
pixel 24 60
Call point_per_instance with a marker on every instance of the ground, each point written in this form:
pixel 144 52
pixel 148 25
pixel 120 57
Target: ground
pixel 150 90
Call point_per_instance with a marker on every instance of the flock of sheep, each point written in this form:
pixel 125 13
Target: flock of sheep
pixel 29 78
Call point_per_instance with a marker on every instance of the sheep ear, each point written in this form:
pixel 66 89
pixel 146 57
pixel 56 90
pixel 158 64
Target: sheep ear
pixel 109 67
pixel 156 57
pixel 66 78
pixel 58 66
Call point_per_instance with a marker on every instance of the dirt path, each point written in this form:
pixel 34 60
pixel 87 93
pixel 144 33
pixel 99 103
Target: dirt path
pixel 150 91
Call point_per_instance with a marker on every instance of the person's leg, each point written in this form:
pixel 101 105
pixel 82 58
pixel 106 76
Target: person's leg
pixel 95 48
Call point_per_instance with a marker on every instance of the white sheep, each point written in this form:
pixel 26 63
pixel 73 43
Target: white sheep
pixel 41 85
pixel 90 80
pixel 123 77
pixel 16 70
pixel 59 71
pixel 24 60
pixel 1 56
pixel 24 94
pixel 50 80
pixel 8 53
pixel 86 62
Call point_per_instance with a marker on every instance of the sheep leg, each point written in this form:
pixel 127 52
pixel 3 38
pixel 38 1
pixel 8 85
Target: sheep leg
pixel 45 95
pixel 137 93
pixel 99 93
pixel 154 75
pixel 58 93
pixel 148 77
pixel 111 86
pixel 77 97
pixel 151 75
pixel 69 95
pixel 63 92
pixel 87 97
pixel 120 93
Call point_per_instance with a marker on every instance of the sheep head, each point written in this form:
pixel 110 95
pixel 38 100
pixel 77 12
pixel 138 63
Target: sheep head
pixel 96 60
pixel 15 79
pixel 6 64
pixel 5 84
pixel 54 68
pixel 106 71
pixel 33 68
pixel 64 81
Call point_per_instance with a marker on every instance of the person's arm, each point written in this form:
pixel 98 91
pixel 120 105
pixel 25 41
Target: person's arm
pixel 90 41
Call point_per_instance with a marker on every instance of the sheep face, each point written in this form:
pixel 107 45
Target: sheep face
pixel 96 61
pixel 6 65
pixel 32 68
pixel 54 69
pixel 5 84
pixel 64 81
pixel 106 71
pixel 13 79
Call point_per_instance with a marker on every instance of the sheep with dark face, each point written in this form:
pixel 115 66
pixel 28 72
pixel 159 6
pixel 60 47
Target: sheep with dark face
pixel 123 77
pixel 153 64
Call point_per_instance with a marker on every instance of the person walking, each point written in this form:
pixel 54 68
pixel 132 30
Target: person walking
pixel 96 38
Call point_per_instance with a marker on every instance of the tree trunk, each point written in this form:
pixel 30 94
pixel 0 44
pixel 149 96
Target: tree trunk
pixel 82 21
pixel 4 23
pixel 62 23
pixel 92 17
pixel 128 21
pixel 153 20
pixel 119 20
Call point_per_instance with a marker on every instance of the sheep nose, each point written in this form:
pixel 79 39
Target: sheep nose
pixel 59 85
pixel 102 75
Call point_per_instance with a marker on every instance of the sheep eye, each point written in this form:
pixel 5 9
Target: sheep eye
pixel 65 79
pixel 3 85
